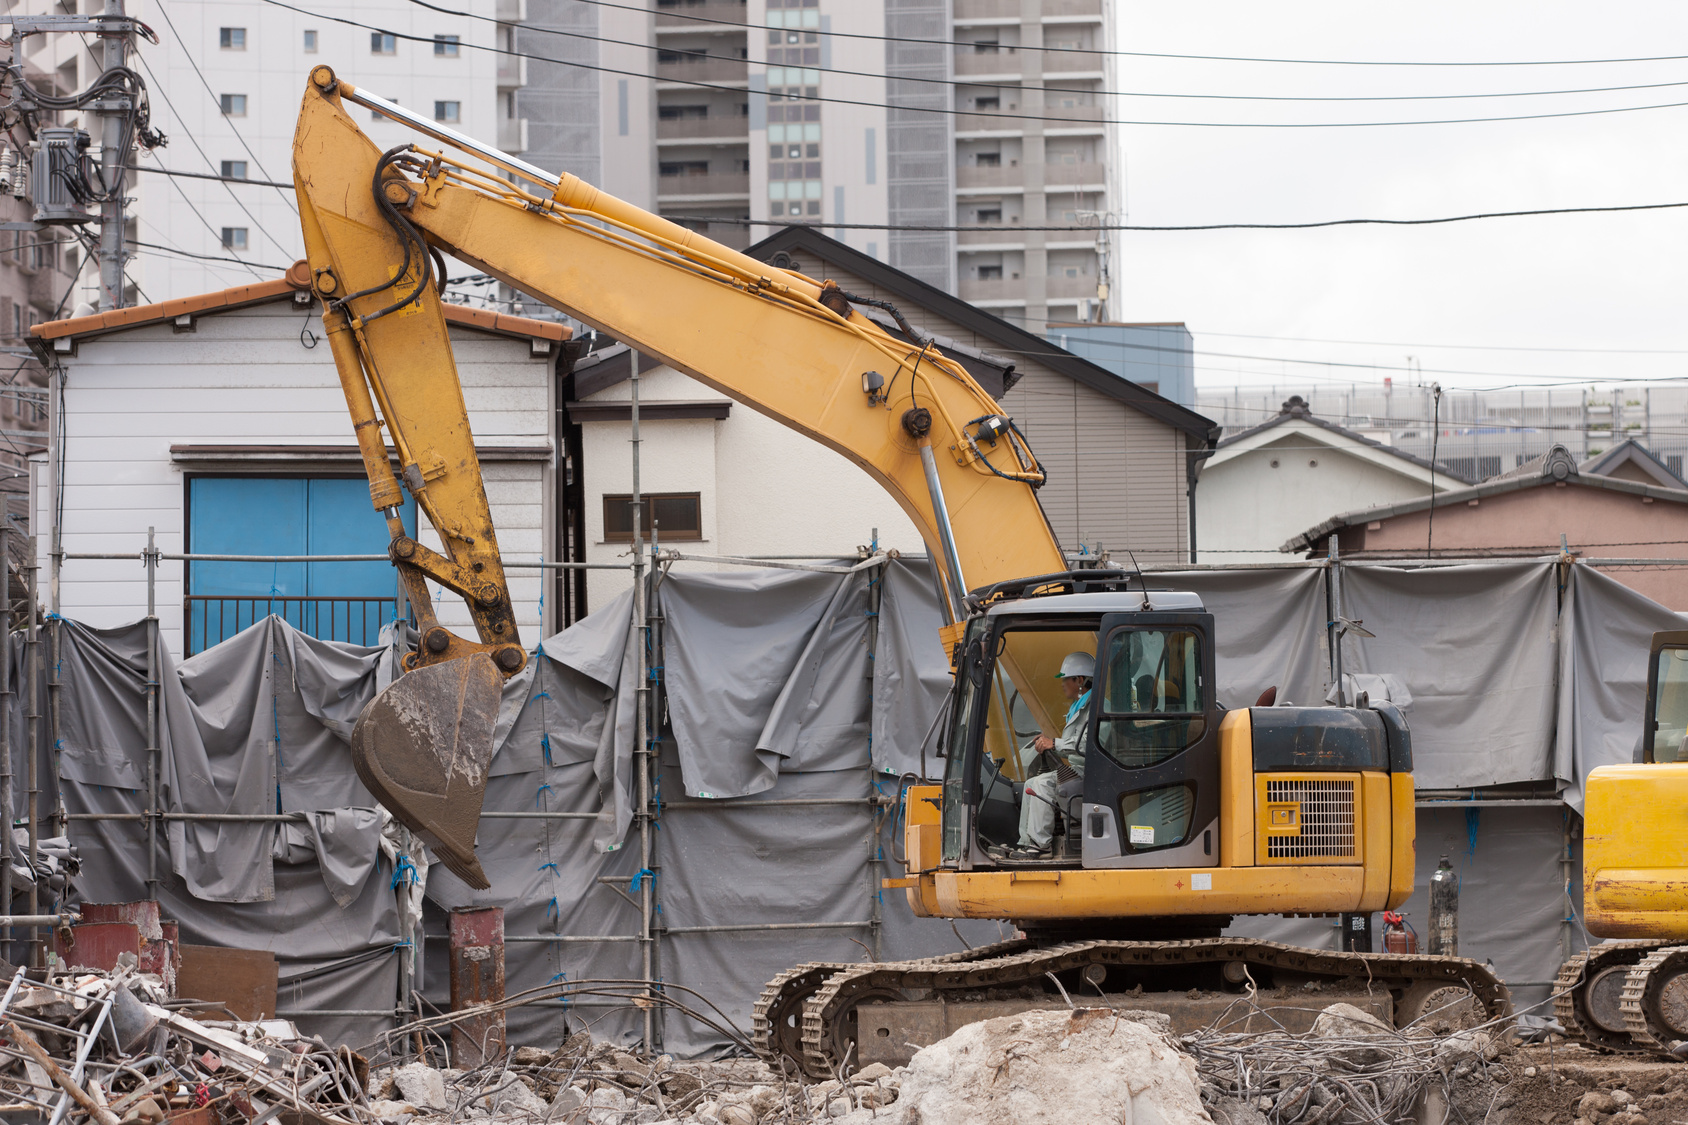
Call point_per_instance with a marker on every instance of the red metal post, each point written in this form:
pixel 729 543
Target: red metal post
pixel 477 978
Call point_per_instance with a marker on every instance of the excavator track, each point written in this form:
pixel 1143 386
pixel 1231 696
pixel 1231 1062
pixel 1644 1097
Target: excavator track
pixel 1588 992
pixel 777 1018
pixel 1655 1000
pixel 1423 980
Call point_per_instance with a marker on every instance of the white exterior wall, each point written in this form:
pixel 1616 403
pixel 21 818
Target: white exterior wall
pixel 1246 508
pixel 764 488
pixel 244 378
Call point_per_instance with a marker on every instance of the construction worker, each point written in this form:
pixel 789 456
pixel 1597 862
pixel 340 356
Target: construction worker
pixel 1039 802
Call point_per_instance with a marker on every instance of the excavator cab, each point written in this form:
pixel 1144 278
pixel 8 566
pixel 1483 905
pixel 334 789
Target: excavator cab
pixel 1667 699
pixel 1136 756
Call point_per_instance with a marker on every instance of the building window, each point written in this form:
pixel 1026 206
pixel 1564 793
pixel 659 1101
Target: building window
pixel 234 105
pixel 383 43
pixel 449 112
pixel 445 46
pixel 234 238
pixel 232 38
pixel 234 169
pixel 288 516
pixel 677 515
pixel 310 42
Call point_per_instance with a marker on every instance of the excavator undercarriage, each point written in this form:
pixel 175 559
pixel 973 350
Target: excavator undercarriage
pixel 1627 997
pixel 820 1018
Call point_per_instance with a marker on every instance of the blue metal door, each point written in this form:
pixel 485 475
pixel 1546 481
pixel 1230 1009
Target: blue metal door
pixel 279 516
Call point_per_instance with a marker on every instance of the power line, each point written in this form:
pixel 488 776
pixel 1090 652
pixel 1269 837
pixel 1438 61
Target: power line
pixel 1314 225
pixel 165 12
pixel 1451 347
pixel 212 257
pixel 209 176
pixel 995 116
pixel 986 85
pixel 193 140
pixel 1129 54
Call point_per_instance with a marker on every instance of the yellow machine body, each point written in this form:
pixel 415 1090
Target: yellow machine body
pixel 1635 851
pixel 1277 853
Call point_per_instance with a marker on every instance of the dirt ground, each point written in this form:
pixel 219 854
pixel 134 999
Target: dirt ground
pixel 1546 1085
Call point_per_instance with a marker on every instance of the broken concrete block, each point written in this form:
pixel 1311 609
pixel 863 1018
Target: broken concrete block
pixel 568 1099
pixel 530 1056
pixel 1596 1102
pixel 1057 1068
pixel 872 1072
pixel 389 1110
pixel 736 1114
pixel 421 1085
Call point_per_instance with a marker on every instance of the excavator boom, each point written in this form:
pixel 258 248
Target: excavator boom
pixel 789 346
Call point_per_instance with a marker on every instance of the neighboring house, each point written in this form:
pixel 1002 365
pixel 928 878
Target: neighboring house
pixel 218 420
pixel 1630 460
pixel 1261 485
pixel 1533 510
pixel 1120 458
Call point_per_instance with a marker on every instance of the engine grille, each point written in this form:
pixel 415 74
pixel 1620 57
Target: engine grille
pixel 1327 819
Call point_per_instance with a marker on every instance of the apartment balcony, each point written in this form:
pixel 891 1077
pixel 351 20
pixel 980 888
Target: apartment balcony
pixel 1073 175
pixel 1070 62
pixel 983 176
pixel 671 17
pixel 512 134
pixel 702 68
pixel 1002 61
pixel 996 289
pixel 990 236
pixel 1063 8
pixel 713 184
pixel 988 10
pixel 1069 288
pixel 704 128
pixel 512 72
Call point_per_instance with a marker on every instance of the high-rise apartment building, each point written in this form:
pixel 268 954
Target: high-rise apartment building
pixel 868 118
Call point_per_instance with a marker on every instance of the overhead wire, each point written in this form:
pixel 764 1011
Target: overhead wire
pixel 1148 54
pixel 982 83
pixel 164 11
pixel 993 115
pixel 203 155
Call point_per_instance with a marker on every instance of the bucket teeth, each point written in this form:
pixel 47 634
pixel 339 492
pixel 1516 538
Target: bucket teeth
pixel 422 747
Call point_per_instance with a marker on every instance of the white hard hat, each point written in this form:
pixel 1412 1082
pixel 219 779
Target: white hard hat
pixel 1080 664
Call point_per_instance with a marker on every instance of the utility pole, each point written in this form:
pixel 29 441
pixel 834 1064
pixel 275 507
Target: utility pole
pixel 49 169
pixel 114 111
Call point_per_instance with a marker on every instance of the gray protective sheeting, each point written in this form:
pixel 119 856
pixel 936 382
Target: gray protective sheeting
pixel 781 685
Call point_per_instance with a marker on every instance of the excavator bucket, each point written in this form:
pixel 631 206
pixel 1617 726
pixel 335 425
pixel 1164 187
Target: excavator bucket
pixel 423 747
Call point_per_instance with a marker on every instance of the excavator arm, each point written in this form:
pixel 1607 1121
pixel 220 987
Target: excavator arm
pixel 796 349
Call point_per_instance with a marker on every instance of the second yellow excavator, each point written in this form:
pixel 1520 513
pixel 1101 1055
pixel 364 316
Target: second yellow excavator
pixel 1161 816
pixel 1631 994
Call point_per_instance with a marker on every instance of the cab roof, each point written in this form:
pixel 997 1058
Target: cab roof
pixel 1160 601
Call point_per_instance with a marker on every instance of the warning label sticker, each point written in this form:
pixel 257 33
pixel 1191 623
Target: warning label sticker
pixel 1142 834
pixel 1201 882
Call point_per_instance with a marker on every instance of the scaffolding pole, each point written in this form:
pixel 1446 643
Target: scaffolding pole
pixel 32 666
pixel 150 555
pixel 6 845
pixel 641 752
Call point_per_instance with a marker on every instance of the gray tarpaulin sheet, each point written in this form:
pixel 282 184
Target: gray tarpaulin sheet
pixel 1605 634
pixel 773 695
pixel 1476 646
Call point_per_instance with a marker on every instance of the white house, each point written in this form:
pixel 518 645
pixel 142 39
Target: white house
pixel 1268 483
pixel 218 421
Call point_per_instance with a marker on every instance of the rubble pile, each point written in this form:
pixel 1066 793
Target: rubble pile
pixel 1350 1068
pixel 105 1048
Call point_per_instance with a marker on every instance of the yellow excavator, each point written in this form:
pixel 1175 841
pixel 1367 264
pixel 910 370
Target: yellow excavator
pixel 1180 816
pixel 1631 994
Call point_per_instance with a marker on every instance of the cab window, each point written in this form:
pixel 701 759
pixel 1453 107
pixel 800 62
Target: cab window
pixel 1153 700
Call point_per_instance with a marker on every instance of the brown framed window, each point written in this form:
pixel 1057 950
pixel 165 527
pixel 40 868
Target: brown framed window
pixel 677 515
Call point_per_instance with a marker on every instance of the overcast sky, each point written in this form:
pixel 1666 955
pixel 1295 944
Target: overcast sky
pixel 1604 282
